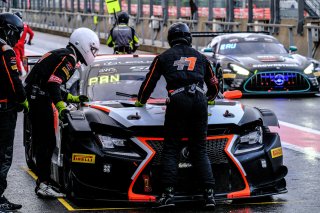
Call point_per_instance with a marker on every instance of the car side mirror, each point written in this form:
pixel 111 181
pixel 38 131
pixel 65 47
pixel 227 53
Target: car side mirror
pixel 207 50
pixel 235 94
pixel 293 49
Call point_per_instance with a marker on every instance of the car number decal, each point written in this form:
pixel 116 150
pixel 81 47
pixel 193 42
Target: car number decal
pixel 277 152
pixel 83 158
pixel 228 46
pixel 104 79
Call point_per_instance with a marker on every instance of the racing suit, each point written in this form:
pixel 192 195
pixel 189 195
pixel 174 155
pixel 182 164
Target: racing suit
pixel 43 90
pixel 123 39
pixel 19 47
pixel 11 93
pixel 185 70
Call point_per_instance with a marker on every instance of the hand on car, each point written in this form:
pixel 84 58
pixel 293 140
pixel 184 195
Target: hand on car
pixel 77 99
pixel 138 104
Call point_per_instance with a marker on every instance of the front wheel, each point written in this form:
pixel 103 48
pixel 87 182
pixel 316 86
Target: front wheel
pixel 67 177
pixel 27 141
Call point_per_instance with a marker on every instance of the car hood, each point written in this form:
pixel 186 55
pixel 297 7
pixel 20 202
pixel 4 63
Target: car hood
pixel 127 115
pixel 280 61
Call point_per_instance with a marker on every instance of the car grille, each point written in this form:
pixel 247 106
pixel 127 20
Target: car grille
pixel 276 82
pixel 215 150
pixel 226 174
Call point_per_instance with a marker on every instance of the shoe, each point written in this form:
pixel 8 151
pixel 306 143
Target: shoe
pixel 209 201
pixel 167 198
pixel 46 191
pixel 6 205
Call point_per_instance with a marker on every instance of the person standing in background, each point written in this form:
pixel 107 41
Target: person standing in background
pixel 122 38
pixel 193 8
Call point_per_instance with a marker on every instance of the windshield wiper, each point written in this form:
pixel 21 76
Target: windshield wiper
pixel 123 94
pixel 126 95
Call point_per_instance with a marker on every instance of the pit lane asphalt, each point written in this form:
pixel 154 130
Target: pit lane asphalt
pixel 303 182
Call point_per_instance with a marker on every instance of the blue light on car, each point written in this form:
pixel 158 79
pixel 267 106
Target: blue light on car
pixel 279 79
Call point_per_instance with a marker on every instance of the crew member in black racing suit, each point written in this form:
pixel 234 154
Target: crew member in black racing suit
pixel 123 38
pixel 185 71
pixel 11 94
pixel 43 88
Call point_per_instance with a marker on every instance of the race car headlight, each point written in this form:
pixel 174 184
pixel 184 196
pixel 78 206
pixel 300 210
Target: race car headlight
pixel 117 146
pixel 239 70
pixel 250 141
pixel 111 142
pixel 309 69
pixel 252 137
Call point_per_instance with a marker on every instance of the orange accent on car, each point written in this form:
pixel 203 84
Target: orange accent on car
pixel 246 191
pixel 140 197
pixel 232 94
pixel 98 107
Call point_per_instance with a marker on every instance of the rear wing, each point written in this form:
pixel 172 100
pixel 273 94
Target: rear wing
pixel 215 34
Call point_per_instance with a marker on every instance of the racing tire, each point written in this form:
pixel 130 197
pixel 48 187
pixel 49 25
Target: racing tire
pixel 67 178
pixel 27 142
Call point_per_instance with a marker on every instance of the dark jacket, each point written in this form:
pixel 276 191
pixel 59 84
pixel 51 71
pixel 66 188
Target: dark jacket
pixel 181 66
pixel 123 36
pixel 11 89
pixel 53 69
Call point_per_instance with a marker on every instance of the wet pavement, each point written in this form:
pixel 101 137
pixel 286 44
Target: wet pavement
pixel 303 182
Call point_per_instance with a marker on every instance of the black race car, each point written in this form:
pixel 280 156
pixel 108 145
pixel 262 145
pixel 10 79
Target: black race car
pixel 259 64
pixel 109 149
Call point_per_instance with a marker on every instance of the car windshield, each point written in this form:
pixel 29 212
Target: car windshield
pixel 108 79
pixel 249 47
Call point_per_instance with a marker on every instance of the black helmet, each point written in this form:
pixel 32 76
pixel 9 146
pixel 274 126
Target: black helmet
pixel 11 27
pixel 19 14
pixel 179 33
pixel 123 17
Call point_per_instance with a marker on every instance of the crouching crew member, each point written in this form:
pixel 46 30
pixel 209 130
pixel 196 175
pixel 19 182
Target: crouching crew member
pixel 43 88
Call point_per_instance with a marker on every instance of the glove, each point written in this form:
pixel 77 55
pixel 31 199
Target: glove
pixel 62 109
pixel 83 98
pixel 211 103
pixel 77 99
pixel 25 106
pixel 138 104
pixel 29 42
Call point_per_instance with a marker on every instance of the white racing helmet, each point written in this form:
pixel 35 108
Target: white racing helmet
pixel 86 42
